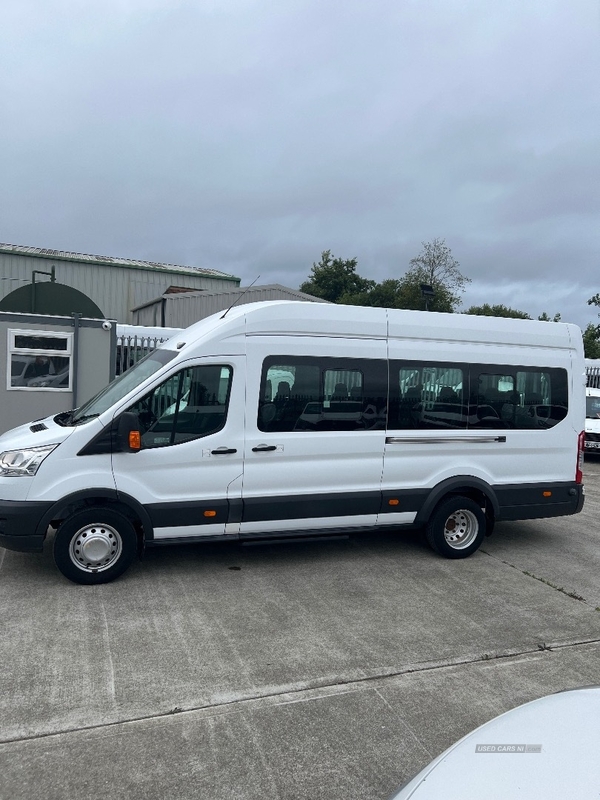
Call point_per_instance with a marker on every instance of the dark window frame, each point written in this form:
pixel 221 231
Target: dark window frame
pixel 491 414
pixel 172 432
pixel 315 412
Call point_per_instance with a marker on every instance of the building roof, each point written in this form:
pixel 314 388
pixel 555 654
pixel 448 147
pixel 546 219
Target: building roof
pixel 234 294
pixel 111 261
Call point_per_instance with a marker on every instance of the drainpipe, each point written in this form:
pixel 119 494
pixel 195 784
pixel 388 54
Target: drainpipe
pixel 75 324
pixel 40 272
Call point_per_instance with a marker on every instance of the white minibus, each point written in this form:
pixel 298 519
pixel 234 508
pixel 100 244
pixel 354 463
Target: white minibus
pixel 592 420
pixel 291 419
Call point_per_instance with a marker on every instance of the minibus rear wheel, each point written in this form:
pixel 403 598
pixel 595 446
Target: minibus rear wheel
pixel 95 545
pixel 456 528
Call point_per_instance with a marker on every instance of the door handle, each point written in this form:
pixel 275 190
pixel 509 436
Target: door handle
pixel 264 448
pixel 223 451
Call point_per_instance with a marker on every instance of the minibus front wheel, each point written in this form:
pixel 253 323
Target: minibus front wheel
pixel 456 528
pixel 95 545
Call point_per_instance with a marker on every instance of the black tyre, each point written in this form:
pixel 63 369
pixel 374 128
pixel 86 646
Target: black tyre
pixel 456 528
pixel 95 545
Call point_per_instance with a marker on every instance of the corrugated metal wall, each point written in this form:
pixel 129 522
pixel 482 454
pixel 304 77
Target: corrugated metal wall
pixel 182 310
pixel 115 289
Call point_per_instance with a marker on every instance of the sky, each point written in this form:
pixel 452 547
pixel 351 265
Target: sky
pixel 250 135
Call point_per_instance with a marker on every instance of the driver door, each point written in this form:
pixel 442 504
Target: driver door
pixel 188 473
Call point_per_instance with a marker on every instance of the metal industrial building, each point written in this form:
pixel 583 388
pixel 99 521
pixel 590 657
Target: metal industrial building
pixel 115 285
pixel 183 309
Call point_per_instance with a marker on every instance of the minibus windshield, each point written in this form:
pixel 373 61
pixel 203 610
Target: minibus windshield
pixel 120 387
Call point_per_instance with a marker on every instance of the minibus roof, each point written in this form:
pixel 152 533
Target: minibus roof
pixel 284 318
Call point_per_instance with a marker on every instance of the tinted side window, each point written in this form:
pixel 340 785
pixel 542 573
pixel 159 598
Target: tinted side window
pixel 322 394
pixel 518 397
pixel 427 395
pixel 188 405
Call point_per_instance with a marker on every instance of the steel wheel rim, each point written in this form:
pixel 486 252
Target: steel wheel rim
pixel 95 548
pixel 461 529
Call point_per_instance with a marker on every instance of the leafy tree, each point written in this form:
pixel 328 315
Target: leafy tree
pixel 500 310
pixel 382 295
pixel 435 266
pixel 410 295
pixel 591 335
pixel 543 317
pixel 335 279
pixel 591 341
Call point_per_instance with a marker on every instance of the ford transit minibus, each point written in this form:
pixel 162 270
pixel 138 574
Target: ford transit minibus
pixel 288 419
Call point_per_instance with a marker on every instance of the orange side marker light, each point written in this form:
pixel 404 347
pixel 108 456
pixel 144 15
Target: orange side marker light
pixel 135 440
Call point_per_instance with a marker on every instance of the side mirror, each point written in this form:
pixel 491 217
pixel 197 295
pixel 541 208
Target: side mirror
pixel 129 434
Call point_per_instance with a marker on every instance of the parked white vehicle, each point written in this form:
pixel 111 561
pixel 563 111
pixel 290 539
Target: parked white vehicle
pixel 592 420
pixel 298 419
pixel 544 749
pixel 25 369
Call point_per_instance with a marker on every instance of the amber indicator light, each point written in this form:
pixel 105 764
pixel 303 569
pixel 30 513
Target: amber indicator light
pixel 394 502
pixel 547 494
pixel 135 440
pixel 210 513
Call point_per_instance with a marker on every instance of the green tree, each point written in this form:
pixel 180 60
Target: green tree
pixel 382 295
pixel 591 335
pixel 499 310
pixel 336 280
pixel 591 341
pixel 543 317
pixel 436 267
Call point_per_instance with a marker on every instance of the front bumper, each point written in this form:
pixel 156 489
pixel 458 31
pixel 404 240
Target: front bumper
pixel 19 524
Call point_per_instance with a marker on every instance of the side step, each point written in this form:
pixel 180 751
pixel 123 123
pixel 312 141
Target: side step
pixel 251 543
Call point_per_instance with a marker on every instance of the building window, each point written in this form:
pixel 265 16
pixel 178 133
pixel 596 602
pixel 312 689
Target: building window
pixel 39 360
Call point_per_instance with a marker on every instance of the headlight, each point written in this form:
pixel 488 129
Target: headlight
pixel 23 462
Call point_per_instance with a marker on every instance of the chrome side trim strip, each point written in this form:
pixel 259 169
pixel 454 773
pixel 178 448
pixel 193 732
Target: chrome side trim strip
pixel 443 440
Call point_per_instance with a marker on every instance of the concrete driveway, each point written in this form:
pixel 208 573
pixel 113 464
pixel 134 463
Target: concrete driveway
pixel 316 670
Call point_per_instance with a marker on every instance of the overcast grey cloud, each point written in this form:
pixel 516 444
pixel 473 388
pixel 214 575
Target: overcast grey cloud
pixel 248 136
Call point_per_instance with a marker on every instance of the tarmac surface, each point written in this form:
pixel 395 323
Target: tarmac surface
pixel 286 672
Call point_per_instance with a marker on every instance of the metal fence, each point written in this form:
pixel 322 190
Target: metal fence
pixel 593 376
pixel 130 349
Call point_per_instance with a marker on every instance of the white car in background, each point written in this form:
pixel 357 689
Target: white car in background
pixel 58 381
pixel 548 749
pixel 25 368
pixel 592 420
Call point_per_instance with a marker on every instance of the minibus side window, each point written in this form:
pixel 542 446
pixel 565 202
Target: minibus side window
pixel 189 405
pixel 302 393
pixel 528 398
pixel 427 395
pixel 494 399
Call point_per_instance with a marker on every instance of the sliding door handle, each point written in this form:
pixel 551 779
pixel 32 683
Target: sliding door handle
pixel 264 448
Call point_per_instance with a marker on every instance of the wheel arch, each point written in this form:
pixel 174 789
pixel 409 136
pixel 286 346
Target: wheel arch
pixel 467 486
pixel 110 498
